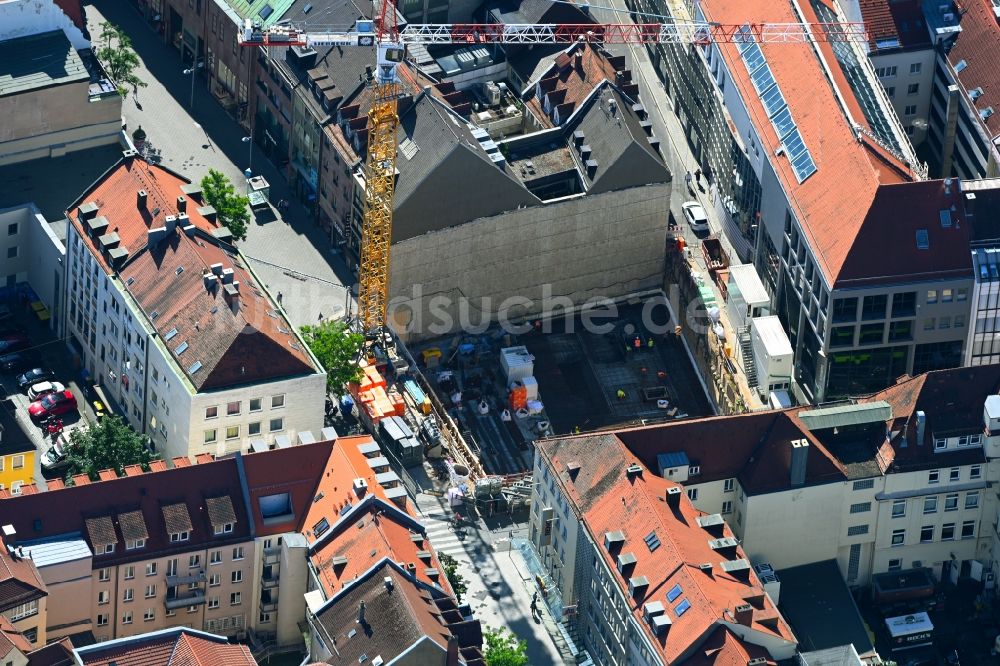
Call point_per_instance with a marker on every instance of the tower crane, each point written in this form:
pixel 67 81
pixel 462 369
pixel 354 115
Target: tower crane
pixel 390 41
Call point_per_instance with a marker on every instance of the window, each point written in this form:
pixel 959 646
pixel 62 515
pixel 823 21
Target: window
pixel 890 91
pixel 215 557
pixel 962 295
pixel 945 322
pixel 864 484
pixel 958 321
pixel 127 617
pixel 900 330
pixel 954 474
pixel 915 67
pixel 215 580
pixel 904 304
pixel 192 609
pixel 103 597
pixel 727 485
pixel 968 529
pixel 212 412
pixel 133 544
pixel 150 591
pixel 898 537
pixel 693 494
pixel 727 507
pixel 12 252
pixel 871 334
pixel 857 530
pixel 232 432
pixel 929 324
pixel 18 462
pixel 194 561
pixel 172 567
pixel 932 476
pixel 12 229
pixel 211 435
pixel 149 615
pixel 975 440
pixel 109 548
pixel 238 553
pixel 130 572
pixel 926 534
pixel 910 110
pixel 976 472
pixel 951 502
pixel 862 507
pixel 946 295
pixel 151 568
pixel 235 599
pixel 873 307
pixel 128 594
pixel 104 575
pixel 845 309
pixel 253 428
pixel 885 72
pixel 913 89
pixel 899 508
pixel 255 404
pixel 940 443
pixel 179 536
pixel 224 529
pixel 842 336
pixel 972 500
pixel 277 401
pixel 931 296
pixel 237 576
pixel 277 424
pixel 102 619
pixel 947 531
pixel 265 618
pixel 213 603
pixel 234 408
pixel 895 564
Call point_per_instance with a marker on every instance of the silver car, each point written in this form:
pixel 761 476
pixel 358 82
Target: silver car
pixel 695 215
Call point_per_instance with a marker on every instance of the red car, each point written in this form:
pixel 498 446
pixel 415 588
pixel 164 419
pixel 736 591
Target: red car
pixel 54 404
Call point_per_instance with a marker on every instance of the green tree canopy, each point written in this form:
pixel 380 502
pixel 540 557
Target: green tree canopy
pixel 109 444
pixel 455 579
pixel 336 348
pixel 230 207
pixel 504 649
pixel 119 59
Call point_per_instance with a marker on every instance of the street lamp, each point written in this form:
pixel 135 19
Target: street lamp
pixel 190 72
pixel 248 139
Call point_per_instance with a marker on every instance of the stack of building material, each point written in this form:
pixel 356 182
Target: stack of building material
pixel 518 397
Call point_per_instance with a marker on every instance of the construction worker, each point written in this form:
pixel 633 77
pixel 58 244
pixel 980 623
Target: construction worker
pixel 576 430
pixel 650 343
pixel 621 394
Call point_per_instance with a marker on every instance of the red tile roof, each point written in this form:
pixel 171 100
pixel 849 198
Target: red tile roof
pixel 171 647
pixel 610 500
pixel 20 581
pixel 977 44
pixel 570 80
pixel 902 20
pixel 11 639
pixel 724 648
pixel 832 204
pixel 222 340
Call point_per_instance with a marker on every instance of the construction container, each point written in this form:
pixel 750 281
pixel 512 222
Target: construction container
pixel 772 354
pixel 414 391
pixel 517 363
pixel 747 296
pixel 531 386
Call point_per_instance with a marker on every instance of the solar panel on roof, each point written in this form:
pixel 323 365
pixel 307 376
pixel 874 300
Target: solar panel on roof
pixel 794 145
pixel 753 58
pixel 773 101
pixel 652 541
pixel 762 79
pixel 783 123
pixel 804 166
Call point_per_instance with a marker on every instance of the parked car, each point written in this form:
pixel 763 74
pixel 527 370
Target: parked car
pixel 32 377
pixel 18 361
pixel 53 404
pixel 12 342
pixel 695 215
pixel 54 458
pixel 44 388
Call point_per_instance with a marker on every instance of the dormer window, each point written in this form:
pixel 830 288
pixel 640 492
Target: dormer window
pixel 135 544
pixel 940 443
pixel 224 529
pixel 179 536
pixel 109 548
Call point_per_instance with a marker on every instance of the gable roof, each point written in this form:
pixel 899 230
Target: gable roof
pixel 158 495
pixel 976 44
pixel 11 639
pixel 724 648
pixel 20 581
pixel 59 653
pixel 399 613
pixel 832 203
pixel 894 21
pixel 570 80
pixel 169 647
pixel 635 505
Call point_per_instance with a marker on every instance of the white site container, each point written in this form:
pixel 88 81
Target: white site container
pixel 772 354
pixel 517 363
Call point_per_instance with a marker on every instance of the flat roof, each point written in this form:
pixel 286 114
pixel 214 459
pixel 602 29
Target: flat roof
pixel 751 288
pixel 58 550
pixel 773 335
pixel 820 609
pixel 39 61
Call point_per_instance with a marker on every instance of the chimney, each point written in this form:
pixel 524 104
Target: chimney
pixel 140 199
pixel 360 487
pixel 232 296
pixel 181 204
pixel 921 427
pixel 800 455
pixel 210 281
pixel 579 62
pixel 361 612
pixel 387 581
pixel 452 658
pixel 674 497
pixel 573 469
pixel 744 614
pixel 947 185
pixel 634 470
pixel 216 268
pixel 170 223
pixel 227 275
pixel 154 235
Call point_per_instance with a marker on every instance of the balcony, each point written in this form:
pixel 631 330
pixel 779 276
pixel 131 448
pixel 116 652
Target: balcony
pixel 269 582
pixel 195 599
pixel 272 555
pixel 268 606
pixel 193 576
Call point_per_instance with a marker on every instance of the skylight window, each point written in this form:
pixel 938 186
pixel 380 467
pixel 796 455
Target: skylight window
pixel 195 367
pixel 923 239
pixel 683 607
pixel 674 592
pixel 652 541
pixel 170 334
pixel 182 347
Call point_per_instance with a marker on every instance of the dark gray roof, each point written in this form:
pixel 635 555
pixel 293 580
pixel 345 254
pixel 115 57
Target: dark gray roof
pixel 448 165
pixel 39 61
pixel 535 11
pixel 620 145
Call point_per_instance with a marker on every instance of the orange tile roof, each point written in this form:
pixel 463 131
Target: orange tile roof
pixel 19 579
pixel 570 80
pixel 832 203
pixel 11 639
pixel 724 648
pixel 171 647
pixel 977 44
pixel 901 20
pixel 636 507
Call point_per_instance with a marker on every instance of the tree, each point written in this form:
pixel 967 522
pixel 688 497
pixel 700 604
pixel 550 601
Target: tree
pixel 230 207
pixel 336 348
pixel 119 59
pixel 504 649
pixel 455 579
pixel 109 444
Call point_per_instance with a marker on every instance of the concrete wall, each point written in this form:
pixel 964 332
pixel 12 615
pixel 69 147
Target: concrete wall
pixel 606 245
pixel 292 589
pixel 40 255
pixel 21 18
pixel 54 121
pixel 69 585
pixel 900 83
